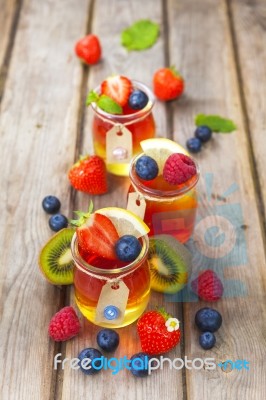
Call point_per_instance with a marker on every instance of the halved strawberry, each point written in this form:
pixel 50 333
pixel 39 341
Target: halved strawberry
pixel 117 87
pixel 98 236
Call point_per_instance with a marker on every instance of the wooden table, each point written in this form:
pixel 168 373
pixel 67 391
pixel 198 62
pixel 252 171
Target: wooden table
pixel 219 46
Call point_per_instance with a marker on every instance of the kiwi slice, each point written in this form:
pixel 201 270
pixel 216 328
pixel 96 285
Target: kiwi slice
pixel 56 260
pixel 170 264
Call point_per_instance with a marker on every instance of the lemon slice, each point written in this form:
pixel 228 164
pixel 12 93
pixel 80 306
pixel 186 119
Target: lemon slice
pixel 160 149
pixel 125 221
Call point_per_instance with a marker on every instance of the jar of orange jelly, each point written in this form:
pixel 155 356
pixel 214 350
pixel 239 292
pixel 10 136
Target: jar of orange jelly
pixel 165 208
pixel 117 138
pixel 112 296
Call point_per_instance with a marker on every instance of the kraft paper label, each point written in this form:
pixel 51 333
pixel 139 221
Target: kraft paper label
pixel 136 204
pixel 118 145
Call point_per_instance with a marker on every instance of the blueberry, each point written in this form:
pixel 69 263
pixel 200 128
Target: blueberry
pixel 127 248
pixel 51 204
pixel 58 222
pixel 138 100
pixel 208 320
pixel 108 340
pixel 194 145
pixel 207 340
pixel 90 367
pixel 203 133
pixel 139 365
pixel 147 168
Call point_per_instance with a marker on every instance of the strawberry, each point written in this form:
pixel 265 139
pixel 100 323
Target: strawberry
pixel 208 286
pixel 64 325
pixel 88 49
pixel 168 84
pixel 158 332
pixel 89 175
pixel 98 236
pixel 117 87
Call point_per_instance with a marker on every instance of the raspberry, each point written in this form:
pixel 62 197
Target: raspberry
pixel 64 325
pixel 208 286
pixel 178 169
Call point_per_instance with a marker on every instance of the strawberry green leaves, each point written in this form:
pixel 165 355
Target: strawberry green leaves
pixel 141 35
pixel 216 123
pixel 104 102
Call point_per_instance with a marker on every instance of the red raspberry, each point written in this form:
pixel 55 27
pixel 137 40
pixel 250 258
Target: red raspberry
pixel 208 286
pixel 178 169
pixel 64 325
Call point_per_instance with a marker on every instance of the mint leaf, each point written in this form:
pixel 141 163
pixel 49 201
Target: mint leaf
pixel 109 105
pixel 216 123
pixel 141 35
pixel 92 97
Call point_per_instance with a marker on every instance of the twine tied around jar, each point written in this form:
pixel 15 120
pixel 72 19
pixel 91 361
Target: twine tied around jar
pixel 114 281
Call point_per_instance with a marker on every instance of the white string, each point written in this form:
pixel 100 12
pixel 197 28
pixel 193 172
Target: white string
pixel 104 278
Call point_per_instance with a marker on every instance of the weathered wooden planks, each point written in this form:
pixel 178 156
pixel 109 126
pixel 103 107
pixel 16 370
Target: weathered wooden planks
pixel 39 113
pixel 201 46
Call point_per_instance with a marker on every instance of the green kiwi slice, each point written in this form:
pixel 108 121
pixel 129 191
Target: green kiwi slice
pixel 55 260
pixel 170 264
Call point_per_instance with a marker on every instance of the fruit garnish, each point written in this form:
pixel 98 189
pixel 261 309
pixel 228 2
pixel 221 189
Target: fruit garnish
pixel 203 133
pixel 104 102
pixel 64 325
pixel 58 222
pixel 51 204
pixel 108 340
pixel 127 248
pixel 141 35
pixel 89 175
pixel 146 168
pixel 160 149
pixel 138 100
pixel 55 259
pixel 138 365
pixel 168 84
pixel 88 49
pixel 117 87
pixel 216 123
pixel 208 286
pixel 207 340
pixel 208 320
pixel 178 169
pixel 92 354
pixel 194 145
pixel 170 264
pixel 125 222
pixel 155 337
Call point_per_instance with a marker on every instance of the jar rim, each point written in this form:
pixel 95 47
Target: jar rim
pixel 151 192
pixel 82 264
pixel 124 118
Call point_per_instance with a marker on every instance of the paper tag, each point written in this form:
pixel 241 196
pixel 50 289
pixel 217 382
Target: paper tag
pixel 136 204
pixel 112 303
pixel 118 145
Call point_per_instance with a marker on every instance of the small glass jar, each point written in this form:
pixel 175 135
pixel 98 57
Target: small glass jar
pixel 167 211
pixel 89 282
pixel 137 125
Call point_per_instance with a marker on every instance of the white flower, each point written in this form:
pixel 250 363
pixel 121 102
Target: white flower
pixel 172 324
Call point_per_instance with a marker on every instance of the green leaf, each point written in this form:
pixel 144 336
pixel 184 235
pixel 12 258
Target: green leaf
pixel 92 97
pixel 109 105
pixel 141 35
pixel 216 123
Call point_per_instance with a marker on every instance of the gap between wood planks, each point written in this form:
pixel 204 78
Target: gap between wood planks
pixel 246 121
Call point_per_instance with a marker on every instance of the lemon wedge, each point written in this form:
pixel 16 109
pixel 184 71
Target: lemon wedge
pixel 125 221
pixel 160 149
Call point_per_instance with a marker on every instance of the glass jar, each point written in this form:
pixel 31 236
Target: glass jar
pixel 165 210
pixel 132 280
pixel 131 127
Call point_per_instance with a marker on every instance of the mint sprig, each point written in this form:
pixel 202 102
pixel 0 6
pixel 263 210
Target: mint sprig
pixel 104 102
pixel 216 123
pixel 141 35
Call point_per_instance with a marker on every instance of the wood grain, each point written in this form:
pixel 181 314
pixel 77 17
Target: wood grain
pixel 205 57
pixel 39 113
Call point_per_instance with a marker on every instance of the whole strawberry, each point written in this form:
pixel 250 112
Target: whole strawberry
pixel 64 325
pixel 208 286
pixel 158 332
pixel 89 175
pixel 88 49
pixel 168 84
